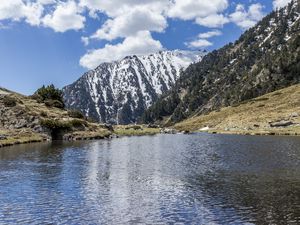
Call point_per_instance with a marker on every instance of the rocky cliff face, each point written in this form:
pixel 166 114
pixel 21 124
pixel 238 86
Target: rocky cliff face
pixel 264 59
pixel 119 92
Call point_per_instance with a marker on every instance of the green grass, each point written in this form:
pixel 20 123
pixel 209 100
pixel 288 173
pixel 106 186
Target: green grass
pixel 15 138
pixel 122 131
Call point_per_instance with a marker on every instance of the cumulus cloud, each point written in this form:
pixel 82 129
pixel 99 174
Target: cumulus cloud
pixel 140 44
pixel 200 43
pixel 114 8
pixel 128 24
pixel 85 41
pixel 210 34
pixel 132 21
pixel 246 19
pixel 214 20
pixel 65 17
pixel 192 9
pixel 17 9
pixel 280 3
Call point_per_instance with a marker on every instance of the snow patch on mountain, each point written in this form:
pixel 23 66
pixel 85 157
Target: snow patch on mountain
pixel 120 91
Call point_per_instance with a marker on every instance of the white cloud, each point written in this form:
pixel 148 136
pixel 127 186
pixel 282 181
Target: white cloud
pixel 65 17
pixel 46 2
pixel 193 9
pixel 142 43
pixel 85 41
pixel 128 24
pixel 33 13
pixel 214 20
pixel 131 20
pixel 11 9
pixel 280 3
pixel 114 8
pixel 246 19
pixel 210 34
pixel 17 9
pixel 200 43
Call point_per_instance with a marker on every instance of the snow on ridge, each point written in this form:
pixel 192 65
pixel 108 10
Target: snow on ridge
pixel 125 88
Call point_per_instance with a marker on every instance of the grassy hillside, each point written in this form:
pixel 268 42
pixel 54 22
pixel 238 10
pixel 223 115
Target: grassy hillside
pixel 264 59
pixel 274 113
pixel 23 119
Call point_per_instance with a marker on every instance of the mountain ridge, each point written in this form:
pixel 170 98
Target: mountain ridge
pixel 120 91
pixel 264 59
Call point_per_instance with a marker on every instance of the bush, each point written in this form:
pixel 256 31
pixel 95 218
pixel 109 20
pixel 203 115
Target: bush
pixel 91 120
pixel 50 95
pixel 43 114
pixel 9 101
pixel 55 124
pixel 54 103
pixel 134 127
pixel 78 123
pixel 75 114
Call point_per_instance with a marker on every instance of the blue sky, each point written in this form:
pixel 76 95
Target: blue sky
pixel 54 41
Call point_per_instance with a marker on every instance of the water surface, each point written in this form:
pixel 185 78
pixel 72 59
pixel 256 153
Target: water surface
pixel 164 179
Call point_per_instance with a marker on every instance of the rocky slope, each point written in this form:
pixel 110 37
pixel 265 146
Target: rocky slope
pixel 23 120
pixel 119 92
pixel 265 58
pixel 274 113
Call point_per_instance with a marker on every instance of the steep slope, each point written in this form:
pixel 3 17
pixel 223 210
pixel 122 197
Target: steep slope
pixel 274 113
pixel 264 59
pixel 120 91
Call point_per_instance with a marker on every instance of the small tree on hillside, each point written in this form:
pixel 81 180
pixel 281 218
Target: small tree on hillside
pixel 50 95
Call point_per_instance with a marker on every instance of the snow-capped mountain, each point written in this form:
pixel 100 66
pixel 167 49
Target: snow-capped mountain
pixel 119 92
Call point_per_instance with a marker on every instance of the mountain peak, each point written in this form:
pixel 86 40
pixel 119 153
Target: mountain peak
pixel 120 91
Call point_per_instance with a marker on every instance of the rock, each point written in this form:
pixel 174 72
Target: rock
pixel 186 132
pixel 114 136
pixel 20 124
pixel 3 137
pixel 281 124
pixel 294 114
pixel 38 129
pixel 109 127
pixel 168 131
pixel 204 129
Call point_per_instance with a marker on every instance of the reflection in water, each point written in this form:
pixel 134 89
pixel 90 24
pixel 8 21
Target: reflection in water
pixel 165 179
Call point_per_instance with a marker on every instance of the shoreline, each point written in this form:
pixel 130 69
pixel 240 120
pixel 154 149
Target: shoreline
pixel 11 138
pixel 12 141
pixel 255 133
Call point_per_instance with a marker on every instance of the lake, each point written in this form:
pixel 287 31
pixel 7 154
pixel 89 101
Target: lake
pixel 162 179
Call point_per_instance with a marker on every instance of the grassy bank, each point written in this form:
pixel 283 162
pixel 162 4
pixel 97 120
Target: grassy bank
pixel 132 130
pixel 253 117
pixel 13 137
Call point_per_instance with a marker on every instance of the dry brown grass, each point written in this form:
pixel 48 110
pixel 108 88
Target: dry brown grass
pixel 254 116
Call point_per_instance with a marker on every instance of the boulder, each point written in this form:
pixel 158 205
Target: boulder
pixel 204 129
pixel 294 114
pixel 281 124
pixel 3 137
pixel 168 131
pixel 109 127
